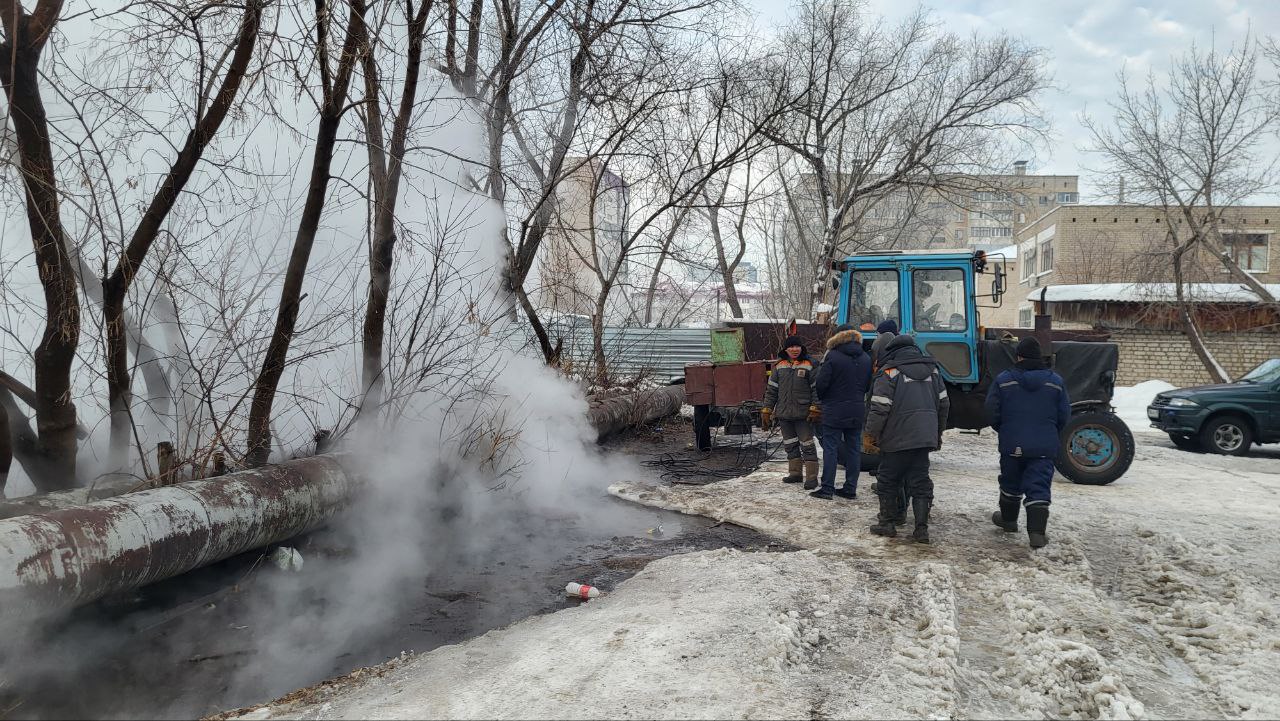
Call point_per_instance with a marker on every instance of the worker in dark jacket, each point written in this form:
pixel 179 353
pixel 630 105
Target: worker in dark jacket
pixel 885 332
pixel 842 384
pixel 907 415
pixel 1028 406
pixel 790 398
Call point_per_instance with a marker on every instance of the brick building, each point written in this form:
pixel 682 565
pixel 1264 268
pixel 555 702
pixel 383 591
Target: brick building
pixel 1093 244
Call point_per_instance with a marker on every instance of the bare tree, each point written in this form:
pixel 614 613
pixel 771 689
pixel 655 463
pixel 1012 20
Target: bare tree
pixel 1190 147
pixel 386 168
pixel 25 36
pixel 876 107
pixel 210 114
pixel 334 85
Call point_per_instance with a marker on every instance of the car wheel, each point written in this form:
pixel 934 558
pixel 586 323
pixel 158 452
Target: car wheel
pixel 1229 435
pixel 1186 442
pixel 1096 448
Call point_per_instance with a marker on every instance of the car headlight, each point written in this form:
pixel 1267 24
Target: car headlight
pixel 1182 403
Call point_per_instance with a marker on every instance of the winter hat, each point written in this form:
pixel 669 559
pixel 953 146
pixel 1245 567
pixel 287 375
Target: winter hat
pixel 1028 348
pixel 844 327
pixel 888 326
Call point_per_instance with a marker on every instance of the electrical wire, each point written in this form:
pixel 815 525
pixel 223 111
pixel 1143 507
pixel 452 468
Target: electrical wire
pixel 749 456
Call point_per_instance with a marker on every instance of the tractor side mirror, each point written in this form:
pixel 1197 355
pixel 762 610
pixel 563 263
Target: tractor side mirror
pixel 997 283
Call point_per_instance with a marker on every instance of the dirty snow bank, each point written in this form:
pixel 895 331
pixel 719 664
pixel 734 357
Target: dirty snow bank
pixel 1131 403
pixel 1156 598
pixel 714 634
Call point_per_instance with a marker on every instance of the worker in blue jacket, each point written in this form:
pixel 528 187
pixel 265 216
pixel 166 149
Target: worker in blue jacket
pixel 843 379
pixel 1028 406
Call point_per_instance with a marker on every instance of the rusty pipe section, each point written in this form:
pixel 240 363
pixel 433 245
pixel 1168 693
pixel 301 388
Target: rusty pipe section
pixel 611 414
pixel 72 556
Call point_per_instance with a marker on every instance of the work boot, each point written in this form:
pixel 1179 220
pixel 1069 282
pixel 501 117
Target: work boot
pixel 810 475
pixel 900 518
pixel 823 494
pixel 846 492
pixel 795 467
pixel 884 525
pixel 921 506
pixel 1037 522
pixel 1007 516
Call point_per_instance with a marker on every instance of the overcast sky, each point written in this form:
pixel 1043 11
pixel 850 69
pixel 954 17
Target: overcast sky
pixel 1088 41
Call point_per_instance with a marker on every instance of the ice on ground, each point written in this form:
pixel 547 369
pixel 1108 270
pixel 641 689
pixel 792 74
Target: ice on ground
pixel 1155 599
pixel 1131 403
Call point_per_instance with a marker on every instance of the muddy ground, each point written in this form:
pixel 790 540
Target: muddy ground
pixel 187 647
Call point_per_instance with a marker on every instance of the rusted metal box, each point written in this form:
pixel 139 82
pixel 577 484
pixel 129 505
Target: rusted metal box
pixel 739 382
pixel 699 385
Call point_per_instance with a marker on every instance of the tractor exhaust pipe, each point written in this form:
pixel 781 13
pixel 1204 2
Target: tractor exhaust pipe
pixel 1044 327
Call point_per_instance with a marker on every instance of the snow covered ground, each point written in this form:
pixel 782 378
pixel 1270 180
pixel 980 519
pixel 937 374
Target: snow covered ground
pixel 1156 598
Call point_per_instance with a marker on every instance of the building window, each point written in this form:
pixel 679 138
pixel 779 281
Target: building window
pixel 1250 251
pixel 985 232
pixel 959 235
pixel 1025 317
pixel 1044 200
pixel 1029 262
pixel 1068 198
pixel 1046 256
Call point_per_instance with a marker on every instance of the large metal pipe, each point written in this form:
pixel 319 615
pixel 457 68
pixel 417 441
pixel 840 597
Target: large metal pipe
pixel 75 555
pixel 66 556
pixel 609 415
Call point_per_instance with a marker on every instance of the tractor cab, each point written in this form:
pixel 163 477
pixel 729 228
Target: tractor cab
pixel 932 295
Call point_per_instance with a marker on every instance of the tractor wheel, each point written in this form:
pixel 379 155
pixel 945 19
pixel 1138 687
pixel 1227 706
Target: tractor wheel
pixel 1097 448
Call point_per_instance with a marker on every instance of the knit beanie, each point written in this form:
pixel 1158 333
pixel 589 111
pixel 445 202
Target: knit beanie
pixel 1029 348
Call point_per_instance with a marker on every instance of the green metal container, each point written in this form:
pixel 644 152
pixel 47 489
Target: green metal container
pixel 727 345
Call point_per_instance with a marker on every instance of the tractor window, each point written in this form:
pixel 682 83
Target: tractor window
pixel 939 303
pixel 873 297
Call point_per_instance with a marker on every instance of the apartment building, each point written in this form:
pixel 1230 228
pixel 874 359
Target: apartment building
pixel 974 211
pixel 584 240
pixel 1112 244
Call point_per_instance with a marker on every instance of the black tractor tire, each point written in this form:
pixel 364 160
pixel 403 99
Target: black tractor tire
pixel 1185 442
pixel 1096 448
pixel 1228 435
pixel 702 427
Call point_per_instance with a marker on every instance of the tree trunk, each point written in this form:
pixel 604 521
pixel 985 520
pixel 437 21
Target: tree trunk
pixel 1186 312
pixel 25 36
pixel 386 169
pixel 597 340
pixel 116 286
pixel 6 449
pixel 722 259
pixel 331 110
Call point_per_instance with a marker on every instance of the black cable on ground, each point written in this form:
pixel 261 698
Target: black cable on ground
pixel 749 457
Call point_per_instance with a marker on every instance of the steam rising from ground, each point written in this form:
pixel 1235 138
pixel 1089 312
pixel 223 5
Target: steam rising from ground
pixel 479 450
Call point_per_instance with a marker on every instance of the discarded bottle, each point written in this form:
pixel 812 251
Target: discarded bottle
pixel 581 590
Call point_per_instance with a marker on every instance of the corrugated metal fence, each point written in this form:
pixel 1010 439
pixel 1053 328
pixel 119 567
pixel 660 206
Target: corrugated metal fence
pixel 663 352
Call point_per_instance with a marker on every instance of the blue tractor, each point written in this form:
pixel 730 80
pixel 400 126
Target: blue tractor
pixel 935 296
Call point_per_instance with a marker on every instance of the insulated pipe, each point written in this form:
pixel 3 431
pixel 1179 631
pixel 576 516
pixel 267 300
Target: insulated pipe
pixel 75 555
pixel 610 415
pixel 64 557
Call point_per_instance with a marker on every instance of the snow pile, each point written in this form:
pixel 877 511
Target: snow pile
pixel 715 634
pixel 1131 403
pixel 1140 607
pixel 1149 292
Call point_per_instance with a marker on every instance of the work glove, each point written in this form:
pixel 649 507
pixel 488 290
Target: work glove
pixel 870 444
pixel 815 415
pixel 766 418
